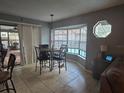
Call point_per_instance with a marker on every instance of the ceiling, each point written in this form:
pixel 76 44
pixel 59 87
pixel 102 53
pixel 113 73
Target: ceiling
pixel 41 9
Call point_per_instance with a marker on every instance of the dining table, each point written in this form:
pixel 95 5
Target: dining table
pixel 51 52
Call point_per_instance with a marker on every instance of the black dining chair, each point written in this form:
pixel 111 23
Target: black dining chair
pixel 37 52
pixel 60 57
pixel 6 76
pixel 46 46
pixel 42 56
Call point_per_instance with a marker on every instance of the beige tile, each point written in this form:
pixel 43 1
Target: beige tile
pixel 65 89
pixel 53 83
pixel 74 80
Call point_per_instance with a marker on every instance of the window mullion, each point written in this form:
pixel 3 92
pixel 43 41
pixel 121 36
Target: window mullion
pixel 79 41
pixel 67 37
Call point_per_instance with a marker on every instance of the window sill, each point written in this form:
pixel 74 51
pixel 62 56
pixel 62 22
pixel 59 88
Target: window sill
pixel 78 56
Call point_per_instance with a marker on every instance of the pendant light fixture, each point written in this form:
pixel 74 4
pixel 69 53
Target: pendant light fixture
pixel 51 28
pixel 51 21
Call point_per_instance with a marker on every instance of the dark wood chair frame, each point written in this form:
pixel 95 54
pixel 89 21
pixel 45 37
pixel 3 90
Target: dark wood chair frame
pixel 60 56
pixel 8 73
pixel 41 58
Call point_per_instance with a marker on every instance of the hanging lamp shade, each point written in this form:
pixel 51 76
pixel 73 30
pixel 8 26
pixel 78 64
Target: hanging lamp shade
pixel 51 27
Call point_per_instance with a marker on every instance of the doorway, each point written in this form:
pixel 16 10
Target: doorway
pixel 10 40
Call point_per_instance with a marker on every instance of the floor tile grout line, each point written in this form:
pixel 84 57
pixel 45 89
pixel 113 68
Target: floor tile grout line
pixel 46 86
pixel 26 85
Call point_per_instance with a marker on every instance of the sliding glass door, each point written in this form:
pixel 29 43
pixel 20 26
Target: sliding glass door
pixel 10 40
pixel 4 39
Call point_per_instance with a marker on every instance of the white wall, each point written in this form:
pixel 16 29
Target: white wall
pixel 45 34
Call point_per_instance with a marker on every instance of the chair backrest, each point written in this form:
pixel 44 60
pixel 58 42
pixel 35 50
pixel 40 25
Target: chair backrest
pixel 43 46
pixel 37 51
pixel 11 63
pixel 44 54
pixel 63 50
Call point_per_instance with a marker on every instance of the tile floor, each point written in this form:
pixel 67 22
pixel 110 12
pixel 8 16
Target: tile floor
pixel 74 80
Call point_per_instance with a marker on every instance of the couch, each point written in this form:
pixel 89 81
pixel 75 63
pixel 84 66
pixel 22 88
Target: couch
pixel 112 79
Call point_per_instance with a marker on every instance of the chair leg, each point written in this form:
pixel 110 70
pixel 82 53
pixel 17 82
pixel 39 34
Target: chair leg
pixel 45 62
pixel 65 65
pixel 53 64
pixel 59 67
pixel 41 62
pixel 49 65
pixel 13 85
pixel 7 87
pixel 36 65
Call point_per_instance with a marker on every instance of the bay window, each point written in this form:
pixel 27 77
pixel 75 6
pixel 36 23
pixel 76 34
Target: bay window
pixel 75 38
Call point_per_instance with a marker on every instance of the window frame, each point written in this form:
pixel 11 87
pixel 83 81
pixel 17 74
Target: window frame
pixel 67 35
pixel 95 26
